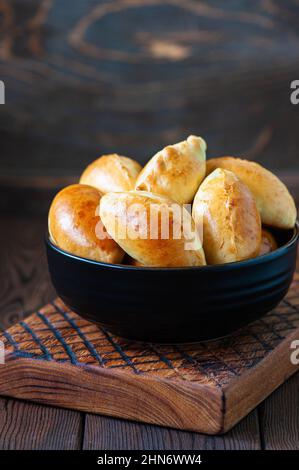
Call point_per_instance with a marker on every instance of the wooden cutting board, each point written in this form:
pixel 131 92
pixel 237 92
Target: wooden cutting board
pixel 55 357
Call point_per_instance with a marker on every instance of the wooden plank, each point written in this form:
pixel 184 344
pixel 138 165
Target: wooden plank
pixel 279 417
pixel 26 426
pixel 115 434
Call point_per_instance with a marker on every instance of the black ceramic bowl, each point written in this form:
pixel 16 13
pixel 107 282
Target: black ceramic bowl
pixel 174 305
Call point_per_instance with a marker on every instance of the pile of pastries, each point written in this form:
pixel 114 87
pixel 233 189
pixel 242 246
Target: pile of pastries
pixel 234 201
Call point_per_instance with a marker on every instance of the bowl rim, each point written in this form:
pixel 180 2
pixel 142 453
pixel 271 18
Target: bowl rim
pixel 211 267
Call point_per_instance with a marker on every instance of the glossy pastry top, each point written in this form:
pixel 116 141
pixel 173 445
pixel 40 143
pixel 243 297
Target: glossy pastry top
pixel 75 225
pixel 268 242
pixel 231 221
pixel 276 205
pixel 111 173
pixel 176 171
pixel 149 228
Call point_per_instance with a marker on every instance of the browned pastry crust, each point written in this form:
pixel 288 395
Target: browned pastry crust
pixel 136 227
pixel 176 171
pixel 111 173
pixel 276 205
pixel 231 221
pixel 75 225
pixel 268 242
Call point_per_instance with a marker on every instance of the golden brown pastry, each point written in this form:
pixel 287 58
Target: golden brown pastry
pixel 176 171
pixel 276 205
pixel 111 173
pixel 75 225
pixel 268 242
pixel 145 226
pixel 231 221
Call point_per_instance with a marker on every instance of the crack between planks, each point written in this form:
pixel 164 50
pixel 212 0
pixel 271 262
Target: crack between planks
pixel 82 430
pixel 260 426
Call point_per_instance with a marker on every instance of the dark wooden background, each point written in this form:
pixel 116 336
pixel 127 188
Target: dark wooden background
pixel 87 77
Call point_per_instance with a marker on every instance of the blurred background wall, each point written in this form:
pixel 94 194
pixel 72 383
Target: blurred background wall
pixel 89 77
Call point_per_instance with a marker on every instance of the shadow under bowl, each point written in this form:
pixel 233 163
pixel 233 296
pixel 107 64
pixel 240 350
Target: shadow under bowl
pixel 174 305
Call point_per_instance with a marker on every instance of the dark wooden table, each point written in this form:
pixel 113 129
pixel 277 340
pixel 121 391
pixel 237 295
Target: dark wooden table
pixel 25 285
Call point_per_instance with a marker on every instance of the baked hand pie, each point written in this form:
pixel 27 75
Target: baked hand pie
pixel 111 173
pixel 75 225
pixel 152 229
pixel 274 202
pixel 268 242
pixel 176 171
pixel 231 221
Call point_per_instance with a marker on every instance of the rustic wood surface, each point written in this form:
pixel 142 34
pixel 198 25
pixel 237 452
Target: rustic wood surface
pixel 271 425
pixel 100 434
pixel 56 357
pixel 279 417
pixel 30 426
pixel 131 76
